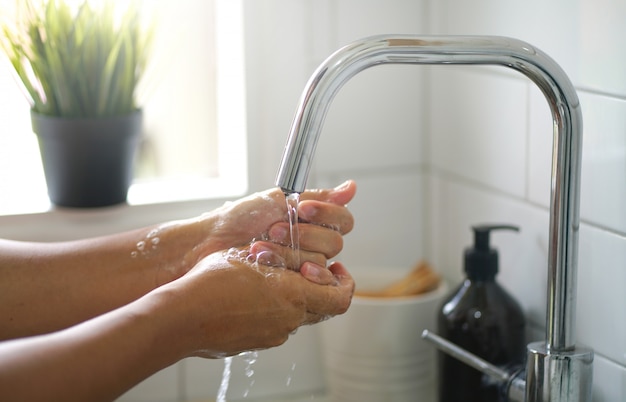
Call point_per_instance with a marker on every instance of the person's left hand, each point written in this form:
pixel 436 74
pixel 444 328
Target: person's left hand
pixel 265 214
pixel 261 219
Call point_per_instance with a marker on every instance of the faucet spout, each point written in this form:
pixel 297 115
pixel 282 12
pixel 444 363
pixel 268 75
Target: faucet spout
pixel 565 184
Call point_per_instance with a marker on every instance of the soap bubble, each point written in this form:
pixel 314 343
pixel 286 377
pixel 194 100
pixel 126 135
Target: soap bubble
pixel 266 258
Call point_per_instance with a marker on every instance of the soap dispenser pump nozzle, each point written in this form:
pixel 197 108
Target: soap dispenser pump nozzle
pixel 481 261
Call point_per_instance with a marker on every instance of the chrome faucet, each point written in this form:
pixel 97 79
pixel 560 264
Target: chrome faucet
pixel 557 369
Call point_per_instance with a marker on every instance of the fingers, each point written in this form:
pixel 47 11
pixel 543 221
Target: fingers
pixel 326 291
pixel 317 274
pixel 330 300
pixel 323 207
pixel 276 255
pixel 311 238
pixel 315 294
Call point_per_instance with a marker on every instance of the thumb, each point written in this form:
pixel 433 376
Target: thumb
pixel 340 195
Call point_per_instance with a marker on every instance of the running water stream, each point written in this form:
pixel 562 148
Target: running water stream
pixel 292 201
pixel 221 393
pixel 249 358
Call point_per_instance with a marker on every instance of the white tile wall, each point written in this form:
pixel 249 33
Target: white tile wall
pixel 601 296
pixel 604 161
pixel 466 140
pixel 588 39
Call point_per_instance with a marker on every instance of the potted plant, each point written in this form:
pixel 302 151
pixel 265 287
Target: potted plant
pixel 80 68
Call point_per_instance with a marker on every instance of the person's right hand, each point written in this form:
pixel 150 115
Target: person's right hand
pixel 234 305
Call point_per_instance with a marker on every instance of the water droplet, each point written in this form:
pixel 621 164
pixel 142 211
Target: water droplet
pixel 270 259
pixel 272 278
pixel 290 376
pixel 251 258
pixel 141 245
pixel 250 358
pixel 334 227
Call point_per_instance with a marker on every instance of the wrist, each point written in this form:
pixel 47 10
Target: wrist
pixel 179 321
pixel 181 245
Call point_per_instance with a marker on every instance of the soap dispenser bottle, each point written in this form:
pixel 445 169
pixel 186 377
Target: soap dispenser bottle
pixel 481 317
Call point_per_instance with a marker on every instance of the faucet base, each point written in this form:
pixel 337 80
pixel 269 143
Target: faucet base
pixel 564 376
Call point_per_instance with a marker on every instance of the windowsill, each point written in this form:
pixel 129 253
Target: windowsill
pixel 149 203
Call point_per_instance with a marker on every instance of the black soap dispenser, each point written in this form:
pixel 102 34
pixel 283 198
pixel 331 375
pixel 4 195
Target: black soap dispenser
pixel 481 317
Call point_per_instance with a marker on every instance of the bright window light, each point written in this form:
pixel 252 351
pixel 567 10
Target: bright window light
pixel 194 143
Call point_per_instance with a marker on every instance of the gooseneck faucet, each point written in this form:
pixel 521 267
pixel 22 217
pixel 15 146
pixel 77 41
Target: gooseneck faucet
pixel 557 369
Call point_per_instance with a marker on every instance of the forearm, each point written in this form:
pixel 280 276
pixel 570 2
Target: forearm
pixel 49 286
pixel 97 360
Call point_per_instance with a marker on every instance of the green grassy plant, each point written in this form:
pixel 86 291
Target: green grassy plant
pixel 82 62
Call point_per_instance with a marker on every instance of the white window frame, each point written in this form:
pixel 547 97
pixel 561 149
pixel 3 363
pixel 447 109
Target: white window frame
pixel 231 122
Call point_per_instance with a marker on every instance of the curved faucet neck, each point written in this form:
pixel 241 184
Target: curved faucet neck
pixel 512 53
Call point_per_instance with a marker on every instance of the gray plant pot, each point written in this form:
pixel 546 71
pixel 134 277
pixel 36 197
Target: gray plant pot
pixel 88 162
